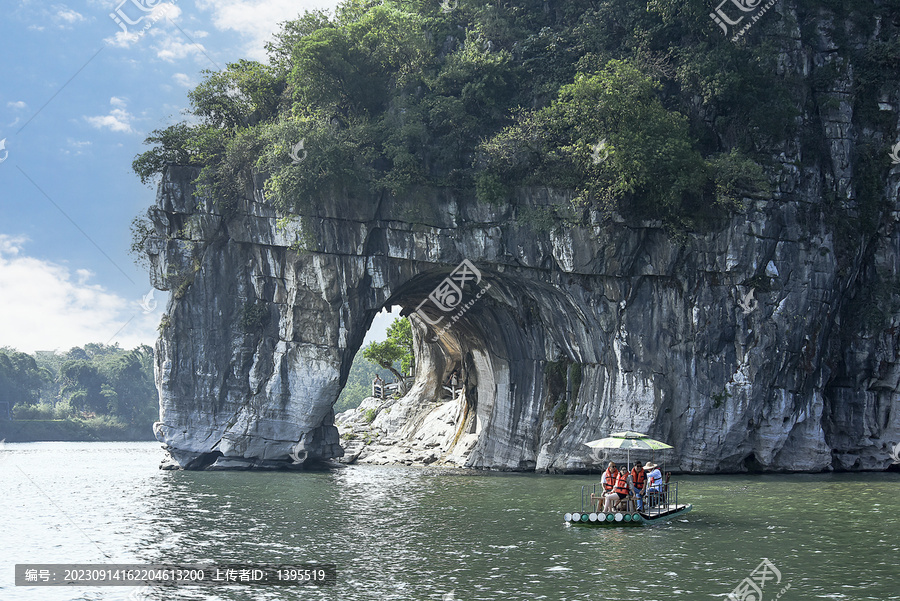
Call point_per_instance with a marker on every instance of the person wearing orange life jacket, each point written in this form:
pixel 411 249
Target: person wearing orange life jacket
pixel 608 480
pixel 639 482
pixel 619 491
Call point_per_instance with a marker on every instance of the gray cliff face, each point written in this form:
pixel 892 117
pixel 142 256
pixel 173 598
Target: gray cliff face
pixel 572 332
pixel 258 337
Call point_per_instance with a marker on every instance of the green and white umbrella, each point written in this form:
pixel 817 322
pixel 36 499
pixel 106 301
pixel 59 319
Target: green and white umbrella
pixel 628 441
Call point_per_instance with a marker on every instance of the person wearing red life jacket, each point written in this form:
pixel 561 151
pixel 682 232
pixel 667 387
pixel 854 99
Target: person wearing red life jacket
pixel 608 480
pixel 619 491
pixel 639 482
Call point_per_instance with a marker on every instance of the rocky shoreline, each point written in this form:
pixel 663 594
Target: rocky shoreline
pixel 374 434
pixel 370 436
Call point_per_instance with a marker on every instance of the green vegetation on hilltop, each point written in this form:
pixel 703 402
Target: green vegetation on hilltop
pixel 105 389
pixel 390 95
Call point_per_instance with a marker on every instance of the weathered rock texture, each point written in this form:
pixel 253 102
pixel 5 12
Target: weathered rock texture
pixel 626 326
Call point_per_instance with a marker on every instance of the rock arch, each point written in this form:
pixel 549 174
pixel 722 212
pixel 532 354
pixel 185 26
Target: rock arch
pixel 260 332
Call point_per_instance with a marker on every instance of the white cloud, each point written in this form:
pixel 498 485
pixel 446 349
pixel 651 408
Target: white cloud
pixel 83 276
pixel 18 105
pixel 76 147
pixel 134 22
pixel 257 20
pixel 66 16
pixel 10 245
pixel 173 45
pixel 123 39
pixel 46 305
pixel 118 119
pixel 183 80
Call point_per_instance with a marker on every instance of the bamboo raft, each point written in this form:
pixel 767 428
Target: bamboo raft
pixel 658 507
pixel 619 518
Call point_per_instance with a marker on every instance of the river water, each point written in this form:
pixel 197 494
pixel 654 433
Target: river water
pixel 408 533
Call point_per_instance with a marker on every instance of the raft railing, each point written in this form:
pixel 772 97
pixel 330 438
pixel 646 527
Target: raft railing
pixel 589 503
pixel 657 503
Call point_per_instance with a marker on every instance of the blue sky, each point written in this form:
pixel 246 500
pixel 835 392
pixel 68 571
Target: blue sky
pixel 78 95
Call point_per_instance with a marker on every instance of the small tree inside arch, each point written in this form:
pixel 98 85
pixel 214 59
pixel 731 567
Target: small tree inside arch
pixel 398 348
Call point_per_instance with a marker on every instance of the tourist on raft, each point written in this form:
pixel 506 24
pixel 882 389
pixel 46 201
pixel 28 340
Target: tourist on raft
pixel 608 480
pixel 654 479
pixel 638 482
pixel 619 491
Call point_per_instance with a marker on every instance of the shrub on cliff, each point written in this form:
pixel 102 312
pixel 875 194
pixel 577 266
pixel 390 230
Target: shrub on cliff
pixel 387 96
pixel 607 136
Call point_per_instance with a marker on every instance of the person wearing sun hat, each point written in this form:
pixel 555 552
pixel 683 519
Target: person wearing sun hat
pixel 654 479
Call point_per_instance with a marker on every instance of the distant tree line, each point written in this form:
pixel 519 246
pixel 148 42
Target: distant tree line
pixel 98 384
pixel 112 387
pixel 359 384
